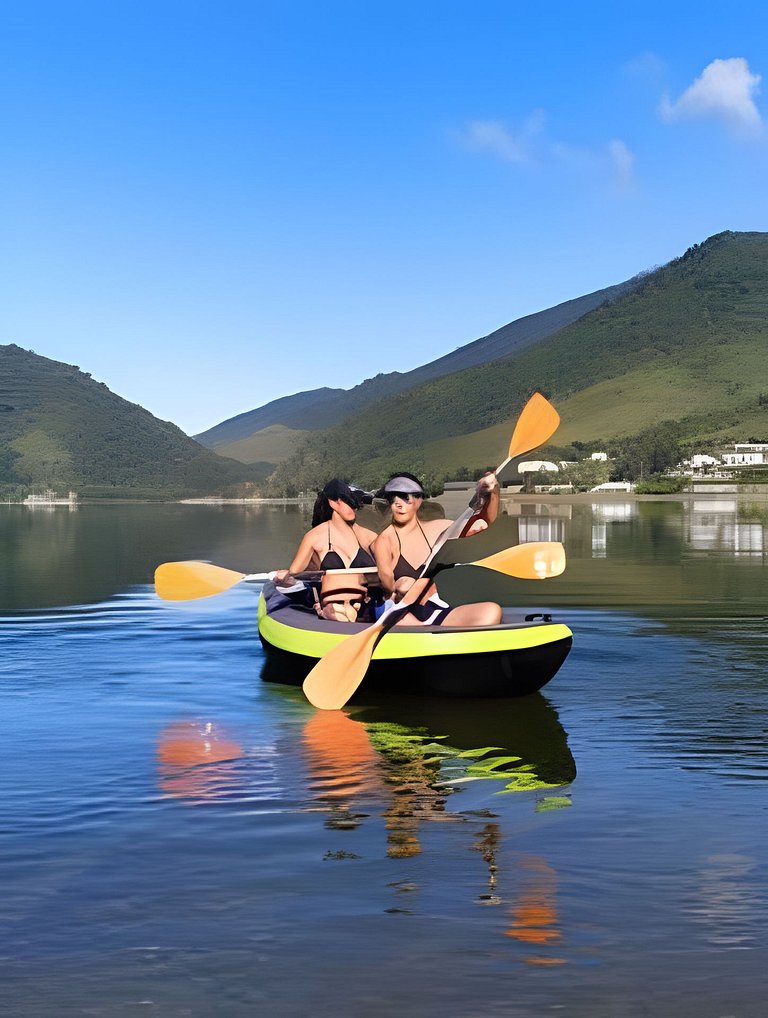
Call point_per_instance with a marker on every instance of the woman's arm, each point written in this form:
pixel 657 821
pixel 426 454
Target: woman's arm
pixel 383 552
pixel 488 490
pixel 305 552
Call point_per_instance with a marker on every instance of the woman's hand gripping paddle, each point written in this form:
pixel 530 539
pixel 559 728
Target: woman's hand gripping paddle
pixel 338 674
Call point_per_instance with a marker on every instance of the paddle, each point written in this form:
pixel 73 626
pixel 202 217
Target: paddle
pixel 337 675
pixel 537 422
pixel 184 581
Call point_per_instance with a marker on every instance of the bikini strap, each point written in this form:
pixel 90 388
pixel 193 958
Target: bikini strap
pixel 423 534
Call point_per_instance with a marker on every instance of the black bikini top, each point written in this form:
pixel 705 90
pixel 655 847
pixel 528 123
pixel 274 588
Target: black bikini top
pixel 403 567
pixel 332 559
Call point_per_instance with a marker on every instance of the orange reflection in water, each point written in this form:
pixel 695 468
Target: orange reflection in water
pixel 342 762
pixel 534 913
pixel 194 760
pixel 345 767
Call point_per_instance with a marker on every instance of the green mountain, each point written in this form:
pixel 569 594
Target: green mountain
pixel 274 431
pixel 60 429
pixel 688 343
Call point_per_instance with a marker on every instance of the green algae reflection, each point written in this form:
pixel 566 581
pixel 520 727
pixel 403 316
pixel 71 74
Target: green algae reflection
pixel 532 755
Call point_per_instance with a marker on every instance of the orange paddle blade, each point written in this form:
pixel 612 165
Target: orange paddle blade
pixel 336 676
pixel 538 560
pixel 184 581
pixel 537 423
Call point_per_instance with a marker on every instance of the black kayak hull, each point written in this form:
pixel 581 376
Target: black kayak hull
pixel 494 674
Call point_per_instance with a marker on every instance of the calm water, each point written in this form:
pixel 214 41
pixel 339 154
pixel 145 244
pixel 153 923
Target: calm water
pixel 179 838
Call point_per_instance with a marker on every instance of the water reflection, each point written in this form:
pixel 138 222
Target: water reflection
pixel 196 760
pixel 452 734
pixel 716 525
pixel 562 510
pixel 540 528
pixel 653 877
pixel 534 915
pixel 351 766
pixel 343 768
pixel 614 512
pixel 532 909
pixel 51 507
pixel 728 901
pixel 604 514
pixel 63 558
pixel 403 761
pixel 538 521
pixel 410 757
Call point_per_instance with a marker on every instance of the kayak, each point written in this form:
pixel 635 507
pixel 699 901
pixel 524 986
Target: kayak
pixel 514 658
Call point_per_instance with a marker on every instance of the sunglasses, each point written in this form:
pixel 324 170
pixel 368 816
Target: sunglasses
pixel 404 496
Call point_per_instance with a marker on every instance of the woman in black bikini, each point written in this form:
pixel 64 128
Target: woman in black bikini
pixel 404 546
pixel 336 540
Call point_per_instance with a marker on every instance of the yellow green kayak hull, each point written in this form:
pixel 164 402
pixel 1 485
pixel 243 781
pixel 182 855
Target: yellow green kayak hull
pixel 515 658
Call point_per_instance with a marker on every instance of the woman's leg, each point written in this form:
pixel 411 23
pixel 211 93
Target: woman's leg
pixel 483 613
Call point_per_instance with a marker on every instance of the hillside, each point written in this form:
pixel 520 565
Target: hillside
pixel 61 429
pixel 243 437
pixel 688 343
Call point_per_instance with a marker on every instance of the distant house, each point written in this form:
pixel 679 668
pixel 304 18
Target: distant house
pixel 614 486
pixel 532 466
pixel 601 456
pixel 553 489
pixel 701 460
pixel 747 454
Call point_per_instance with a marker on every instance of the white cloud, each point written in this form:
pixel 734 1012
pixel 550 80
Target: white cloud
pixel 623 162
pixel 615 158
pixel 495 138
pixel 529 146
pixel 726 90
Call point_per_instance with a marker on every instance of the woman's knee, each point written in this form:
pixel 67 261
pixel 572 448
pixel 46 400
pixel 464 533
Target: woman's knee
pixel 491 613
pixel 482 613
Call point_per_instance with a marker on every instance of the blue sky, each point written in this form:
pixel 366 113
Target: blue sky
pixel 209 205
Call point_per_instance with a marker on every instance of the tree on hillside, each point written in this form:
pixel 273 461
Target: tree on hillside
pixel 586 474
pixel 653 451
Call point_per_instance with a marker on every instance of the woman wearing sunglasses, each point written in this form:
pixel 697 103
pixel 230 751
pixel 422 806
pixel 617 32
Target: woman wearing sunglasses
pixel 404 546
pixel 336 540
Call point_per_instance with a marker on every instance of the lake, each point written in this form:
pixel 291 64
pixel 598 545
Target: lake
pixel 181 838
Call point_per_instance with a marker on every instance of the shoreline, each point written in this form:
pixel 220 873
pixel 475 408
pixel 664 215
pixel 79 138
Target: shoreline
pixel 455 502
pixel 449 499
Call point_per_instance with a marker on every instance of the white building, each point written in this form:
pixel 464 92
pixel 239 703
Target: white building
pixel 601 456
pixel 747 454
pixel 614 486
pixel 701 460
pixel 532 466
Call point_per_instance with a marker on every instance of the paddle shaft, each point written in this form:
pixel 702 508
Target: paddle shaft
pixel 315 574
